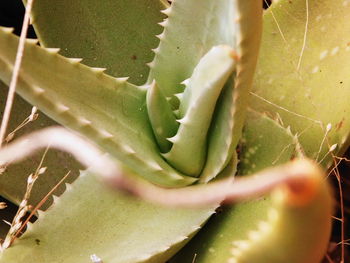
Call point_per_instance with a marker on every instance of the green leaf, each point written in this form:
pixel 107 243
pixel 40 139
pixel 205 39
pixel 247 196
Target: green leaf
pixel 197 105
pixel 92 219
pixel 228 123
pixel 187 38
pixel 251 232
pixel 55 23
pixel 219 139
pixel 303 71
pixel 234 23
pixel 110 111
pixel 117 35
pixel 162 118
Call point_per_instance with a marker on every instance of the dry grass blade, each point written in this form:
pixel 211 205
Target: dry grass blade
pixel 38 206
pixel 14 78
pixel 32 117
pixel 23 207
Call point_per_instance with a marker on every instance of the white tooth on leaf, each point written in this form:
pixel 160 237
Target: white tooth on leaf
pixel 105 134
pixel 155 50
pixel 173 139
pixel 29 227
pixel 126 148
pixel 122 79
pixel 160 36
pixel 166 11
pixel 7 29
pixel 185 119
pixel 83 121
pixel 181 121
pixel 155 166
pixel 33 41
pixel 37 89
pixel 185 82
pixel 61 107
pixel 243 245
pixel 165 155
pixel 179 95
pixel 75 60
pixel 150 64
pixel 40 214
pixel 69 187
pixel 55 198
pixel 99 70
pixel 163 23
pixel 52 50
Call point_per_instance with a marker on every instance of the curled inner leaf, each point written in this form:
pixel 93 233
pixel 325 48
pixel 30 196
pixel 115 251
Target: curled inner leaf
pixel 161 116
pixel 197 106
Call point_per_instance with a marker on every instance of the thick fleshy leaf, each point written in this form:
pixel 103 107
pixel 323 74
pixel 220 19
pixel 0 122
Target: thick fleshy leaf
pixel 268 229
pixel 303 71
pixel 110 111
pixel 187 38
pixel 219 140
pixel 50 18
pixel 90 219
pixel 229 120
pixel 161 116
pixel 197 106
pixel 117 35
pixel 234 23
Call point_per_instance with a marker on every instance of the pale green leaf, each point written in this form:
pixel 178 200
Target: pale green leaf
pixel 110 111
pixel 117 35
pixel 197 105
pixel 161 116
pixel 303 71
pixel 267 229
pixel 188 37
pixel 228 123
pixel 92 219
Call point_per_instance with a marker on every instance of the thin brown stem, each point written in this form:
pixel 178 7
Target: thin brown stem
pixel 16 68
pixel 37 207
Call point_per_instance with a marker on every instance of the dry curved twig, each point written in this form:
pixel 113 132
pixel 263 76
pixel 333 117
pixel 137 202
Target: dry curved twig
pixel 296 175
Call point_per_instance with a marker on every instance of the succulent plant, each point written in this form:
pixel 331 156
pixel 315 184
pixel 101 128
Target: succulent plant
pixel 177 131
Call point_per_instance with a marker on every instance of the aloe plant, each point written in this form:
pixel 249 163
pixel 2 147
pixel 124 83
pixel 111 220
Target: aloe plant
pixel 178 122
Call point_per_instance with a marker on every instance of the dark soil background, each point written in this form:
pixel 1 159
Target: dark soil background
pixel 11 15
pixel 335 248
